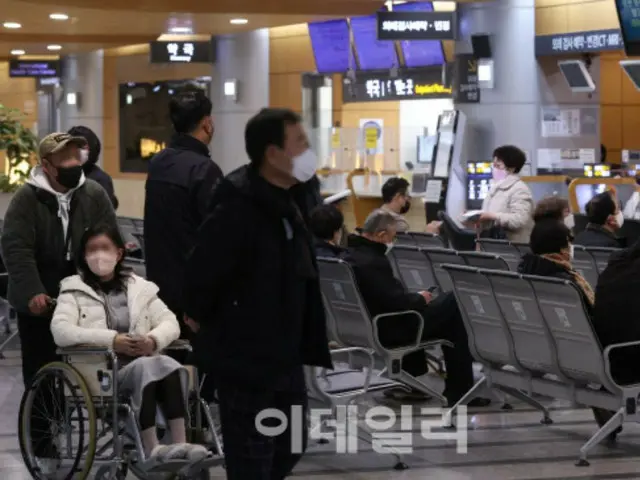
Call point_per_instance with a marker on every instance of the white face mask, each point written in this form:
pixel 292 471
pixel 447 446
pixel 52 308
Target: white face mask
pixel 102 263
pixel 389 247
pixel 620 219
pixel 570 221
pixel 304 166
pixel 84 156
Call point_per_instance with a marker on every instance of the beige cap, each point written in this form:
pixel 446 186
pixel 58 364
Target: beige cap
pixel 54 142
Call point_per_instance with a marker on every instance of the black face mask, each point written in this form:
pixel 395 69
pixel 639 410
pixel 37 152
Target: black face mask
pixel 69 177
pixel 405 208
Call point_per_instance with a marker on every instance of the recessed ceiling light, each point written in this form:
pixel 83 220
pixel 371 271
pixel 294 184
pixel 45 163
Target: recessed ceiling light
pixel 238 21
pixel 54 47
pixel 12 25
pixel 181 30
pixel 59 16
pixel 17 52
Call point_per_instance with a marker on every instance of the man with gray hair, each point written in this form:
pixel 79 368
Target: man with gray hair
pixel 383 293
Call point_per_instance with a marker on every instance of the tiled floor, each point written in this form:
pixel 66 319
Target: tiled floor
pixel 511 445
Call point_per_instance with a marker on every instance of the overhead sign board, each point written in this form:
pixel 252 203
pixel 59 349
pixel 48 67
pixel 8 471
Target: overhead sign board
pixel 579 42
pixel 182 52
pixel 408 85
pixel 416 25
pixel 34 68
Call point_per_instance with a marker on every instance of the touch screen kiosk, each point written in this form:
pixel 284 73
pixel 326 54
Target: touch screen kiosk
pixel 448 175
pixel 478 183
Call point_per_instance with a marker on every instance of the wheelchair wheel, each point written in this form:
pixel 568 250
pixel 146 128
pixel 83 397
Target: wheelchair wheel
pixel 57 425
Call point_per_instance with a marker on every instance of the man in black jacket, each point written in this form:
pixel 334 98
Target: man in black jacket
pixel 178 188
pixel 326 224
pixel 383 293
pixel 43 227
pixel 605 220
pixel 89 156
pixel 253 293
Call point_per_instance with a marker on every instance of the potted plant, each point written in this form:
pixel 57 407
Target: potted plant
pixel 20 146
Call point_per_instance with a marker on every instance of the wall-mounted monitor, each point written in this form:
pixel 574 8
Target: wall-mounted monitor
pixel 629 17
pixel 420 53
pixel 632 69
pixel 331 46
pixel 373 54
pixel 577 76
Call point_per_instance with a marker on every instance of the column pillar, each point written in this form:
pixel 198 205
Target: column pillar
pixel 83 74
pixel 245 58
pixel 508 113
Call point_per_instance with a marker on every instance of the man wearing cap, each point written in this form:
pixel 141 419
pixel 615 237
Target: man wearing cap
pixel 43 228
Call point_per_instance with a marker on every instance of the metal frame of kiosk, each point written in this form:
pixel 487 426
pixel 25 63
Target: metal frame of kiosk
pixel 448 174
pixel 610 184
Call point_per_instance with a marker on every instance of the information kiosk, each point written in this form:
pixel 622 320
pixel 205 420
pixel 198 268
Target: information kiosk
pixel 446 189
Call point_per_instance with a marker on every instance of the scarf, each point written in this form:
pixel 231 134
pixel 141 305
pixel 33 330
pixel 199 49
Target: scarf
pixel 577 278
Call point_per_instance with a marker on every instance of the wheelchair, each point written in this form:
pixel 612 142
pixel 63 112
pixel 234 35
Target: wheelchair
pixel 91 430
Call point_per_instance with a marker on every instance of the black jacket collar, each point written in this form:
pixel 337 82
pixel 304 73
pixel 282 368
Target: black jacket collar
pixel 360 242
pixel 186 142
pixel 600 229
pixel 326 249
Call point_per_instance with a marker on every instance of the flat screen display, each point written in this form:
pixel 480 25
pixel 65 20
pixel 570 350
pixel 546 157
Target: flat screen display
pixel 478 183
pixel 420 53
pixel 331 45
pixel 629 16
pixel 373 54
pixel 443 154
pixel 574 75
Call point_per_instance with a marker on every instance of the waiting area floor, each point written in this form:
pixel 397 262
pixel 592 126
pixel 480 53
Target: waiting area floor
pixel 501 445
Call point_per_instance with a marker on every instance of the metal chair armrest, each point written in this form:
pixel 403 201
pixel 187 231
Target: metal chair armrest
pixel 180 345
pixel 408 348
pixel 607 360
pixel 367 380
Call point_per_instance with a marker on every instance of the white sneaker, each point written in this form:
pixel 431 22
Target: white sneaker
pixel 196 453
pixel 48 466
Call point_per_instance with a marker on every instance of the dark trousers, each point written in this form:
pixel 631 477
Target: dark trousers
pixel 250 455
pixel 39 349
pixel 442 320
pixel 166 392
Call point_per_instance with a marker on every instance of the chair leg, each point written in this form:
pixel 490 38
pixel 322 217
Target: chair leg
pixel 520 395
pixel 413 382
pixel 614 422
pixel 466 398
pixel 6 343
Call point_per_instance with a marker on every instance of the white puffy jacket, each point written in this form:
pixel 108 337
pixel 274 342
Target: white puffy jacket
pixel 80 316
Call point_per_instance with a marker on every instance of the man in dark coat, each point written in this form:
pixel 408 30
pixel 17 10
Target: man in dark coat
pixel 383 293
pixel 326 224
pixel 252 292
pixel 90 156
pixel 178 189
pixel 42 230
pixel 605 220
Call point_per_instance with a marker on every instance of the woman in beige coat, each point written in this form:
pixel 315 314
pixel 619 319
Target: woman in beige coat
pixel 509 204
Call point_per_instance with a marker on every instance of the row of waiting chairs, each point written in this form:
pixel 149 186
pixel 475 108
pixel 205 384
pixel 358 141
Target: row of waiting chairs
pixel 533 334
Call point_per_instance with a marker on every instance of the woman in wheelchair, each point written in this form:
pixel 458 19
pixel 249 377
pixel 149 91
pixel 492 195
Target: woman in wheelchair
pixel 106 305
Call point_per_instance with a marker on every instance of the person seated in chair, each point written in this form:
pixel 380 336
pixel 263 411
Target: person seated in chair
pixel 555 208
pixel 397 202
pixel 107 306
pixel 383 293
pixel 551 256
pixel 327 225
pixel 605 220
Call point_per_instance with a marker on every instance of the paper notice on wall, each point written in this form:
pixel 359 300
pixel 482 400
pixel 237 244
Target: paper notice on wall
pixel 560 123
pixel 570 159
pixel 372 134
pixel 548 158
pixel 587 155
pixel 434 189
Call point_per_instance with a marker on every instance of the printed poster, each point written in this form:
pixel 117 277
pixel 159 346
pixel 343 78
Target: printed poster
pixel 372 133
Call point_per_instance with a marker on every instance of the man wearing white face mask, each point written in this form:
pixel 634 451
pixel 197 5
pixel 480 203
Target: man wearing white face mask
pixel 605 220
pixel 252 293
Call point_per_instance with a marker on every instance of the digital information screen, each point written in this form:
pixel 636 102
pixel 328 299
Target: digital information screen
pixel 182 52
pixel 34 68
pixel 597 171
pixel 331 46
pixel 420 53
pixel 478 183
pixel 443 154
pixel 373 54
pixel 426 147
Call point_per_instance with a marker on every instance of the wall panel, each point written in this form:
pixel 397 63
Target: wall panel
pixel 564 16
